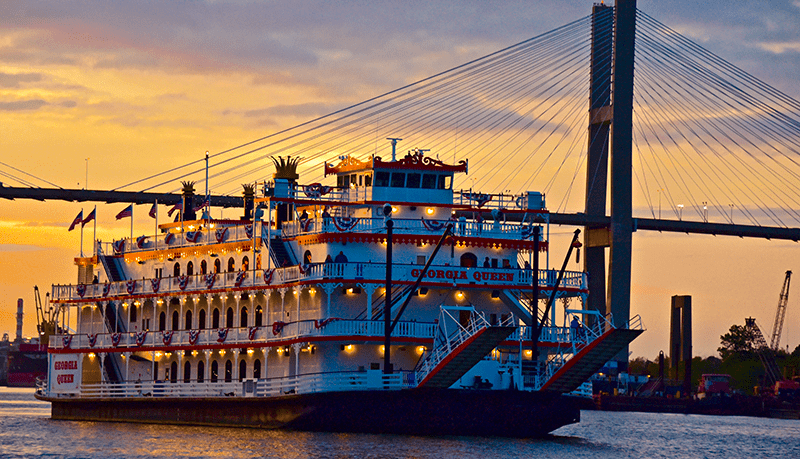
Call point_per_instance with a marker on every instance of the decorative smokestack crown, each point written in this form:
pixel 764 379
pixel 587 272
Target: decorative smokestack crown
pixel 286 168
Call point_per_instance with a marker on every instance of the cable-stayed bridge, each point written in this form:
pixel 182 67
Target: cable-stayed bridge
pixel 622 122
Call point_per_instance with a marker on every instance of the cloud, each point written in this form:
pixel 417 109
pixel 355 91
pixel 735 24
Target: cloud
pixel 20 105
pixel 13 80
pixel 780 47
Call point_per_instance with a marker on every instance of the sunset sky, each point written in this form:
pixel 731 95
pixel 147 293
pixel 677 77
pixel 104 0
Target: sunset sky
pixel 140 87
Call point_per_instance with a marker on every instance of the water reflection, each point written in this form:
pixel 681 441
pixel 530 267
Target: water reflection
pixel 27 431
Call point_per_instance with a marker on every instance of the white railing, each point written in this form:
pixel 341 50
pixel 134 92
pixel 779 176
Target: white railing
pixel 454 275
pixel 239 336
pixel 495 230
pixel 447 341
pixel 208 235
pixel 272 387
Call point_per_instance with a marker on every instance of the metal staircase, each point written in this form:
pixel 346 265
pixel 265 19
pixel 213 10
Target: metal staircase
pixel 112 266
pixel 281 253
pixel 459 346
pixel 591 357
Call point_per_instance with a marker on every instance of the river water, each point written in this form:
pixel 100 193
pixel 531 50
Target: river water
pixel 26 431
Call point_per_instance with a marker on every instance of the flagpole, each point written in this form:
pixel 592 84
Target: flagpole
pixel 81 235
pixel 94 231
pixel 156 233
pixel 131 223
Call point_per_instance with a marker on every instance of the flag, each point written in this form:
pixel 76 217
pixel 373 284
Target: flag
pixel 77 220
pixel 152 213
pixel 178 206
pixel 127 212
pixel 88 218
pixel 201 205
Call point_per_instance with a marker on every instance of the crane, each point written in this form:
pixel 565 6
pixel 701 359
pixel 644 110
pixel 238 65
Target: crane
pixel 780 314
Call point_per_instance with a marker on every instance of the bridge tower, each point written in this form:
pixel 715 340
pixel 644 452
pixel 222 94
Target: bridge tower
pixel 610 144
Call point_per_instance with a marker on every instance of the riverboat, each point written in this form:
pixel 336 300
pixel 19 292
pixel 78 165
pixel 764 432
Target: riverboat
pixel 387 302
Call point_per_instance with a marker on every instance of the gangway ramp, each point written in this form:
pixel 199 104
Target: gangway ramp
pixel 590 359
pixel 465 356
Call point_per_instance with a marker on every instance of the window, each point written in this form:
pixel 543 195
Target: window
pixel 203 267
pixel 367 180
pixel 445 182
pixel 175 318
pixel 187 372
pixel 188 323
pixel 159 273
pixel 257 369
pixel 398 179
pixel 214 371
pixel 201 319
pixel 429 181
pixel 381 179
pixel 228 371
pixel 217 266
pixel 133 313
pixel 469 260
pixel 259 316
pixel 162 321
pixel 201 368
pixel 215 318
pixel 245 263
pixel 413 180
pixel 189 268
pixel 243 317
pixel 229 318
pixel 231 265
pixel 354 179
pixel 176 270
pixel 173 372
pixel 242 370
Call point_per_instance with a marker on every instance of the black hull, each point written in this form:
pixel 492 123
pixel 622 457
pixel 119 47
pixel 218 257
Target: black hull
pixel 410 412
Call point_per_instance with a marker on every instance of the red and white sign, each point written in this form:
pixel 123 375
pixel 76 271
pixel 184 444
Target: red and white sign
pixel 65 373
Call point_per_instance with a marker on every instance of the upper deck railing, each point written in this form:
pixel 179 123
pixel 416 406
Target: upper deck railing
pixel 276 333
pixel 200 284
pixel 484 229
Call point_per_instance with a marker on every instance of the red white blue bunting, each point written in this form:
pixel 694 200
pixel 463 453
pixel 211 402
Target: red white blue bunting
pixel 166 337
pixel 130 286
pixel 248 229
pixel 277 327
pixel 268 275
pixel 345 223
pixel 92 339
pixel 156 284
pixel 240 277
pixel 169 238
pixel 81 289
pixel 251 333
pixel 183 281
pixel 222 335
pixel 210 279
pixel 115 339
pixel 119 246
pixel 141 241
pixel 434 225
pixel 316 190
pixel 67 341
pixel 193 236
pixel 106 288
pixel 221 234
pixel 193 335
pixel 321 323
pixel 140 337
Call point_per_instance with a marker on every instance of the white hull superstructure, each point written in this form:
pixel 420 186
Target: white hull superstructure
pixel 290 300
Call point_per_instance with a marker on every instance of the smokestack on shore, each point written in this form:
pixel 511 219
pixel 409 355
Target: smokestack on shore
pixel 19 321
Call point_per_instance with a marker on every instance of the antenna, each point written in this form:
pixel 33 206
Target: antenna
pixel 394 146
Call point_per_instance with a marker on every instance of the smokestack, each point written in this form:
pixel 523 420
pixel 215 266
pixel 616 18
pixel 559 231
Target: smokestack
pixel 19 320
